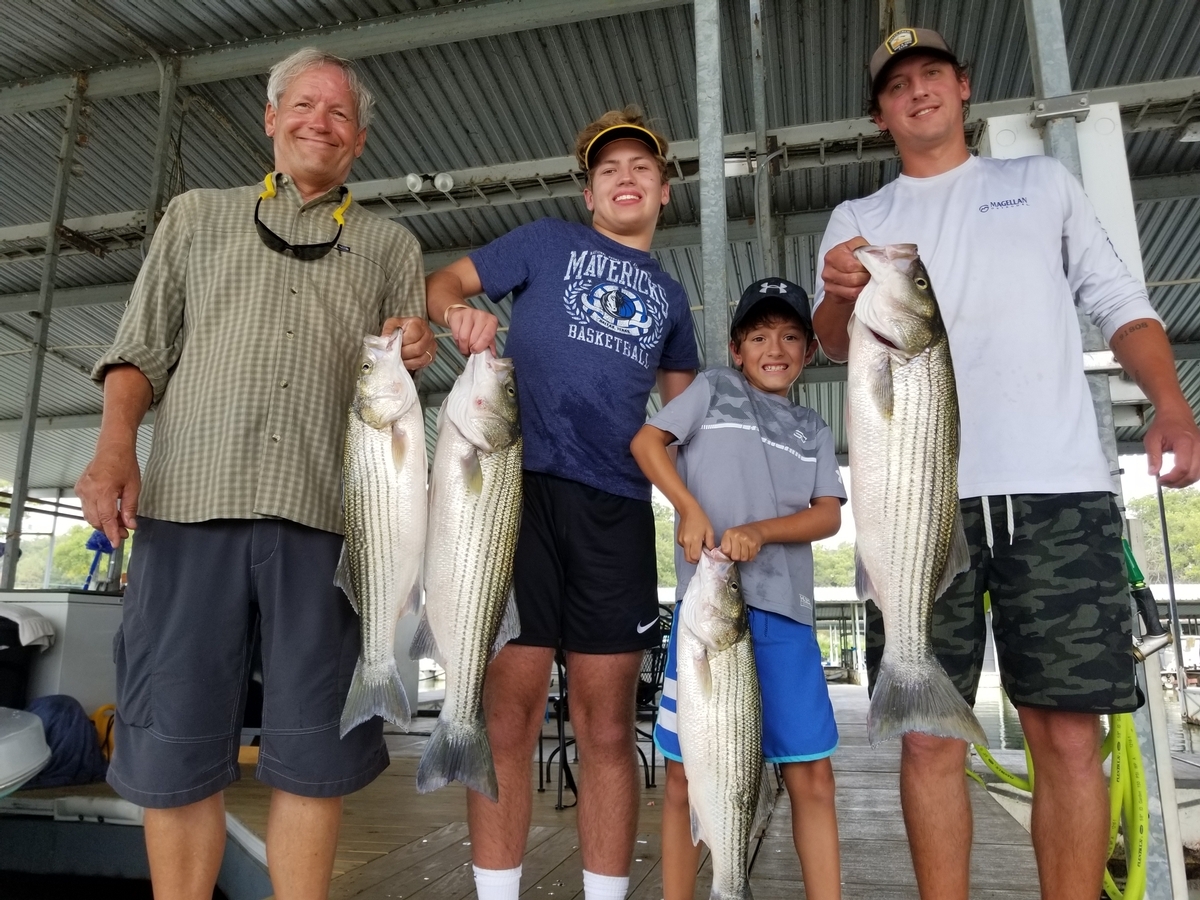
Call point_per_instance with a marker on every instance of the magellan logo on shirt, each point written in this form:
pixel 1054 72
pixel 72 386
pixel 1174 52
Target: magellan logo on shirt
pixel 1003 204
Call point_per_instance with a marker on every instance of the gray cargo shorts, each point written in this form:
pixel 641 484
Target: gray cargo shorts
pixel 196 594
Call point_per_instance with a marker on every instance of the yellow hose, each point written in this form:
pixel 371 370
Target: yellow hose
pixel 1128 800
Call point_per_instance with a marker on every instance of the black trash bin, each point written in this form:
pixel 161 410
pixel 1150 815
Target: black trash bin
pixel 15 663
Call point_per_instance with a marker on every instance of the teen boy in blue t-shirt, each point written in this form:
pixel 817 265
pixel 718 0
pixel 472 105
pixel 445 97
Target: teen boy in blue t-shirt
pixel 595 323
pixel 757 476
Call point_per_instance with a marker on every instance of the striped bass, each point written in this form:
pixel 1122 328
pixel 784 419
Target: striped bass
pixel 719 722
pixel 384 502
pixel 474 513
pixel 902 423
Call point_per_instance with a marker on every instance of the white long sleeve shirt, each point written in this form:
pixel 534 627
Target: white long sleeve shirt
pixel 1010 246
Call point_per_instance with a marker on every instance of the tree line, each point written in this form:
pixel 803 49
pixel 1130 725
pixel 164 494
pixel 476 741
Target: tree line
pixel 834 567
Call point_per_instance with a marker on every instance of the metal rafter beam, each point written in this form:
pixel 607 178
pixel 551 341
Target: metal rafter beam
pixel 671 237
pixel 817 145
pixel 391 34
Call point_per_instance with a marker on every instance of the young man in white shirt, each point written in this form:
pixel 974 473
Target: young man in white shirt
pixel 1010 245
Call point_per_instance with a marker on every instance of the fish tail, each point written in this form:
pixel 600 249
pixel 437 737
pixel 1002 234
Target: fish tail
pixel 368 699
pixel 743 894
pixel 458 753
pixel 925 701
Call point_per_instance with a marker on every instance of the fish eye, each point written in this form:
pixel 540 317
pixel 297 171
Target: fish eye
pixel 366 367
pixel 733 586
pixel 511 391
pixel 921 283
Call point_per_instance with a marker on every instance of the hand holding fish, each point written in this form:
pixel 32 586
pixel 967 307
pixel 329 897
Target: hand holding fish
pixel 742 542
pixel 474 330
pixel 695 532
pixel 844 275
pixel 418 346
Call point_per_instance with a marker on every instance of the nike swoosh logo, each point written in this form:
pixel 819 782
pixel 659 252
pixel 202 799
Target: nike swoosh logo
pixel 642 629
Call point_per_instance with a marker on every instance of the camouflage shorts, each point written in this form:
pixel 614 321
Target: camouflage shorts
pixel 1059 600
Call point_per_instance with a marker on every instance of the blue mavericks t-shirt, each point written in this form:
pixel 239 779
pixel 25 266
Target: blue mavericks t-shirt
pixel 592 323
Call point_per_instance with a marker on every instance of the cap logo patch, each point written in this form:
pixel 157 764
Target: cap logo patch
pixel 901 39
pixel 768 287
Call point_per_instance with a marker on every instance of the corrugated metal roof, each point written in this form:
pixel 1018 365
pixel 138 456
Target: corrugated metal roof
pixel 521 96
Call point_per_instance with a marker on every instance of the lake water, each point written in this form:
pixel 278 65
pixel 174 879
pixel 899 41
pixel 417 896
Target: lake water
pixel 1003 727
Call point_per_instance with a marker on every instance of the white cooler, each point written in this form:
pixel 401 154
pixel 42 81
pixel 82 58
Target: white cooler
pixel 23 748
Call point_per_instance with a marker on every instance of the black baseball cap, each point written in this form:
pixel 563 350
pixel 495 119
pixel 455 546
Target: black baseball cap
pixel 773 289
pixel 904 42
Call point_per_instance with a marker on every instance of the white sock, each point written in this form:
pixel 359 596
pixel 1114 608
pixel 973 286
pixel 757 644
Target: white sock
pixel 497 884
pixel 604 887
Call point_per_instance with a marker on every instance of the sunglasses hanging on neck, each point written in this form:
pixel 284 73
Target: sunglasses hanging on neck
pixel 307 252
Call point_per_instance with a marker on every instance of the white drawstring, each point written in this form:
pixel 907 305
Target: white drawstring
pixel 987 520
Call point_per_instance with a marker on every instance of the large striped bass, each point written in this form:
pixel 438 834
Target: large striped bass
pixel 384 502
pixel 902 425
pixel 719 722
pixel 474 514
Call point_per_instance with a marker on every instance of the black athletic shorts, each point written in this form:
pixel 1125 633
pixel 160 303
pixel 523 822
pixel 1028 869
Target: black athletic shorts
pixel 585 573
pixel 196 594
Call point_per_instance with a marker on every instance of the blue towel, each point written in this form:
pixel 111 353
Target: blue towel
pixel 75 756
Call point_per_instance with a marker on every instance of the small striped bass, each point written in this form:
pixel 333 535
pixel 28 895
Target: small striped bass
pixel 474 513
pixel 902 424
pixel 385 508
pixel 719 722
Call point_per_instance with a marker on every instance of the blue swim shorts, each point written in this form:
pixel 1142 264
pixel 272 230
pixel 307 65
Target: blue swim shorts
pixel 798 723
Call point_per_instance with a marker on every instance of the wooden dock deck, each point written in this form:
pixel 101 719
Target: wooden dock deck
pixel 400 845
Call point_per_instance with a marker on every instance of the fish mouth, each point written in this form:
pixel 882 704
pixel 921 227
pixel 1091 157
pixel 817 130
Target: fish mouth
pixel 879 337
pixel 879 259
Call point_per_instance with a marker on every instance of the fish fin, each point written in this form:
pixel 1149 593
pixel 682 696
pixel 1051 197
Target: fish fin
pixel 959 558
pixel 697 828
pixel 458 753
pixel 411 603
pixel 424 644
pixel 879 384
pixel 369 699
pixel 924 700
pixel 703 673
pixel 863 585
pixel 510 625
pixel 341 578
pixel 399 446
pixel 473 472
pixel 766 799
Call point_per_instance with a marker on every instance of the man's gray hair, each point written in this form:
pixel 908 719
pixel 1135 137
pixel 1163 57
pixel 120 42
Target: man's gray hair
pixel 286 70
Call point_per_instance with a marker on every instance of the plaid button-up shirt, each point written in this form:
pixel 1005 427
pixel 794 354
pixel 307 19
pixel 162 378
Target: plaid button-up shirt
pixel 253 354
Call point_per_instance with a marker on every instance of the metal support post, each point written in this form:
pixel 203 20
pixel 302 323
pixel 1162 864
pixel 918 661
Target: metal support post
pixel 162 145
pixel 1165 876
pixel 49 570
pixel 768 254
pixel 714 243
pixel 37 360
pixel 893 14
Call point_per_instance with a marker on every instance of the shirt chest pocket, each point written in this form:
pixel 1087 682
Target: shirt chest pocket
pixel 345 293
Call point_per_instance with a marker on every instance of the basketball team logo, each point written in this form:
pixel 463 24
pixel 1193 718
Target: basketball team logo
pixel 618 309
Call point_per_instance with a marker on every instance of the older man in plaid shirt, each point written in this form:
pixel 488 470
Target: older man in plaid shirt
pixel 244 328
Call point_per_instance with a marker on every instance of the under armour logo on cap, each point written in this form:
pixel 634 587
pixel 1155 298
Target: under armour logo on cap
pixel 767 287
